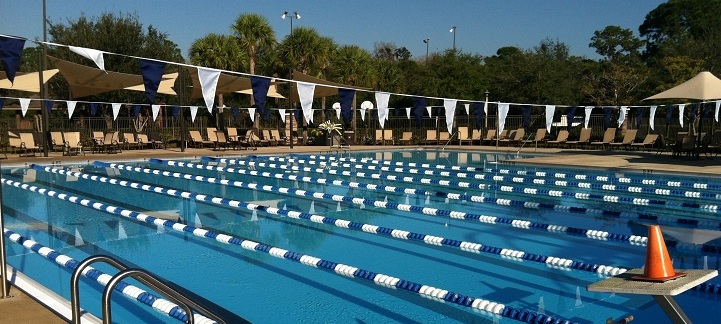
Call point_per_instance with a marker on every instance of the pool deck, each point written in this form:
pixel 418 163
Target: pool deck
pixel 24 309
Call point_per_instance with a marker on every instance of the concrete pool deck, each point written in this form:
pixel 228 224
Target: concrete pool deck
pixel 22 308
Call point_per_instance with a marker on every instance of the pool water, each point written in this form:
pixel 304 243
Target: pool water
pixel 260 287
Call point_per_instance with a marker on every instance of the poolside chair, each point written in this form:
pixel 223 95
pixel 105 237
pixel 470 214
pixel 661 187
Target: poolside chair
pixel 406 138
pixel 246 141
pixel 98 137
pixel 28 145
pixel 500 136
pixel 197 141
pixel 73 143
pixel 583 138
pixel 539 137
pixel 156 140
pixel 57 141
pixel 143 141
pixel 272 141
pixel 628 139
pixel 515 138
pixel 14 142
pixel 379 137
pixel 259 141
pixel 648 142
pixel 111 143
pixel 221 141
pixel 463 136
pixel 608 137
pixel 211 134
pixel 444 138
pixel 431 137
pixel 560 139
pixel 275 134
pixel 232 133
pixel 129 141
pixel 714 143
pixel 388 136
pixel 476 136
pixel 489 136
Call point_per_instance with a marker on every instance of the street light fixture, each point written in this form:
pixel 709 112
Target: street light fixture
pixel 295 15
pixel 453 31
pixel 427 41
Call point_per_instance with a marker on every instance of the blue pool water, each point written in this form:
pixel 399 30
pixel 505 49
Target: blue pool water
pixel 541 211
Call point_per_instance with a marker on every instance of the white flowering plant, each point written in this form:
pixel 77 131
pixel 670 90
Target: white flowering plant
pixel 330 127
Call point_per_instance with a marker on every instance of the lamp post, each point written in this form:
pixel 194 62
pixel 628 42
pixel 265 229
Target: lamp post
pixel 453 31
pixel 295 15
pixel 427 41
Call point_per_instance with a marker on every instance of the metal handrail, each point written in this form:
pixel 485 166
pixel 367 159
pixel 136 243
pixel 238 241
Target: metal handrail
pixel 142 276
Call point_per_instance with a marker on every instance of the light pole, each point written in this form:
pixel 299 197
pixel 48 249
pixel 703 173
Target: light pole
pixel 427 41
pixel 295 15
pixel 453 31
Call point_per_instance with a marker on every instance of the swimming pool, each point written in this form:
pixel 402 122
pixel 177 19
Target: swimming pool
pixel 397 241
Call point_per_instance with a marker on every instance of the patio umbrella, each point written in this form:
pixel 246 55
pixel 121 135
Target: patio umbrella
pixel 704 87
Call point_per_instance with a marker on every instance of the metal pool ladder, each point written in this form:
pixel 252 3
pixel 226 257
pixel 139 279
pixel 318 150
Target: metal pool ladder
pixel 140 275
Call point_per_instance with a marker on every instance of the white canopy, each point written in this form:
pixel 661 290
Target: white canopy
pixel 704 86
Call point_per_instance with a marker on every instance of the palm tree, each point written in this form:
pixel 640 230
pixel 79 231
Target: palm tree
pixel 307 50
pixel 352 65
pixel 253 33
pixel 216 51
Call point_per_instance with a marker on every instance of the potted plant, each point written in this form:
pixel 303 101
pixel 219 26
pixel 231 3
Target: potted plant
pixel 331 130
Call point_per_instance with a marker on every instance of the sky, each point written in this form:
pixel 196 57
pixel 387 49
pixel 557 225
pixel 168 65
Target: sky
pixel 481 26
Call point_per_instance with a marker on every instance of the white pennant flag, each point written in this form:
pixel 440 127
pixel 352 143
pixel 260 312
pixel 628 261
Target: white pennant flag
pixel 485 109
pixel 336 107
pixel 502 113
pixel 718 104
pixel 251 111
pixel 156 110
pixel 550 110
pixel 363 113
pixel 305 93
pixel 588 116
pixel 408 113
pixel 92 54
pixel 71 108
pixel 450 105
pixel 116 110
pixel 382 104
pixel 622 115
pixel 208 84
pixel 652 116
pixel 281 111
pixel 193 112
pixel 468 111
pixel 429 109
pixel 24 104
pixel 680 114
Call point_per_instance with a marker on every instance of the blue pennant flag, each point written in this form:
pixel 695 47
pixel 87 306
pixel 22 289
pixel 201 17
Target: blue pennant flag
pixel 94 108
pixel 419 106
pixel 346 99
pixel 297 115
pixel 639 116
pixel 260 93
pixel 136 110
pixel 2 103
pixel 526 110
pixel 10 50
pixel 479 113
pixel 49 105
pixel 235 111
pixel 669 114
pixel 570 114
pixel 607 117
pixel 176 111
pixel 694 111
pixel 152 72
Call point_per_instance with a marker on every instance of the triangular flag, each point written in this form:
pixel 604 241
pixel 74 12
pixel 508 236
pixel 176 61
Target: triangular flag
pixel 550 110
pixel 408 112
pixel 152 72
pixel 260 87
pixel 588 111
pixel 176 111
pixel 652 117
pixel 24 104
pixel 622 115
pixel 48 105
pixel 429 109
pixel 136 110
pixel 281 111
pixel 305 93
pixel 680 114
pixel 71 108
pixel 251 111
pixel 156 110
pixel 336 107
pixel 346 101
pixel 116 110
pixel 193 112
pixel 418 104
pixel 208 83
pixel 718 104
pixel 10 51
pixel 502 113
pixel 235 111
pixel 382 104
pixel 92 54
pixel 485 108
pixel 450 106
pixel 2 103
pixel 468 107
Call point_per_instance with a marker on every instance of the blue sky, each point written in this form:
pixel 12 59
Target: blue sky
pixel 482 26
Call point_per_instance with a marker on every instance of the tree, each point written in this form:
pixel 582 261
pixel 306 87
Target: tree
pixel 351 65
pixel 253 33
pixel 307 51
pixel 217 51
pixel 615 43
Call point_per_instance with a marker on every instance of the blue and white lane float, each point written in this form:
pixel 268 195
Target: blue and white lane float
pixel 383 280
pixel 710 208
pixel 550 173
pixel 491 220
pixel 476 199
pixel 472 247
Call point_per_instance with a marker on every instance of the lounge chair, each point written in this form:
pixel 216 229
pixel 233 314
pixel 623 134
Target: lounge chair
pixel 221 141
pixel 246 142
pixel 539 137
pixel 379 137
pixel 274 133
pixel 583 138
pixel 58 143
pixel 111 143
pixel 515 138
pixel 211 134
pixel 490 135
pixel 197 141
pixel 502 135
pixel 431 137
pixel 258 141
pixel 628 139
pixel 28 145
pixel 156 140
pixel 271 140
pixel 14 142
pixel 443 138
pixel 463 136
pixel 143 141
pixel 232 133
pixel 608 137
pixel 388 136
pixel 406 138
pixel 560 139
pixel 129 141
pixel 476 136
pixel 73 143
pixel 648 142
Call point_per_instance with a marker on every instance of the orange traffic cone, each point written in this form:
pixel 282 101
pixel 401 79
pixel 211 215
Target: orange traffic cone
pixel 658 263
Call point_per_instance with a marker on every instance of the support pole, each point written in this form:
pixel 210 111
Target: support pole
pixel 3 261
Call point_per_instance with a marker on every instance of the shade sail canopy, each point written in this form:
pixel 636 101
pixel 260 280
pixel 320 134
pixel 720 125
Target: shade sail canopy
pixel 272 90
pixel 85 81
pixel 228 84
pixel 323 88
pixel 29 82
pixel 167 82
pixel 704 86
